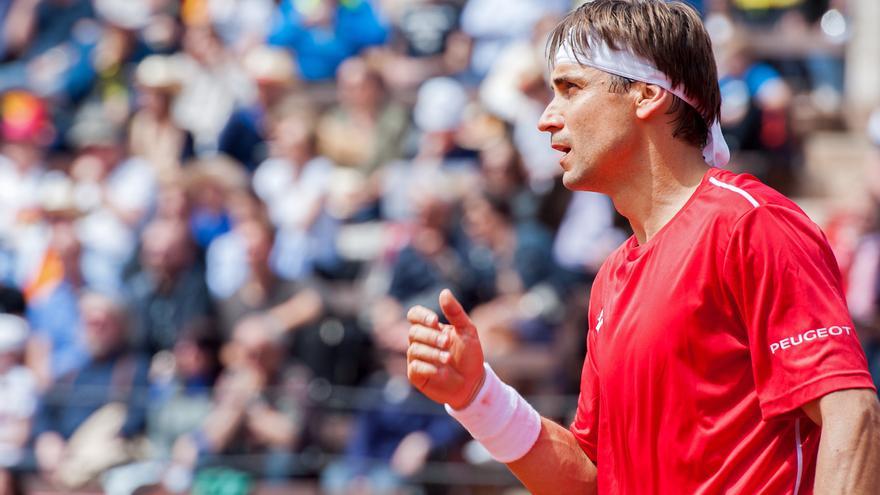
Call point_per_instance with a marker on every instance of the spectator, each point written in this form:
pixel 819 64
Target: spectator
pixel 226 259
pixel 172 197
pixel 428 259
pixel 213 85
pixel 428 262
pixel 292 305
pixel 37 37
pixel 763 12
pixel 54 292
pixel 519 297
pixel 364 131
pixel 153 135
pixel 181 390
pixel 440 160
pixel 26 132
pixel 426 42
pixel 242 24
pixel 294 184
pixel 395 432
pixel 87 421
pixel 103 74
pixel 754 100
pixel 324 33
pixel 504 175
pixel 32 27
pixel 245 134
pixel 257 413
pixel 114 191
pixel 18 387
pixel 210 183
pixel 169 291
pixel 493 24
pixel 181 382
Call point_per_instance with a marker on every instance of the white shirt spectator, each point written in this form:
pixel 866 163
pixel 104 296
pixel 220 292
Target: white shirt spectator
pixel 291 197
pixel 108 240
pixel 19 190
pixel 18 388
pixel 208 97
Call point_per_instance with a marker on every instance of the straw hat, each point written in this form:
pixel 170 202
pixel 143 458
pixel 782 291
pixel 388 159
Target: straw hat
pixel 270 65
pixel 158 72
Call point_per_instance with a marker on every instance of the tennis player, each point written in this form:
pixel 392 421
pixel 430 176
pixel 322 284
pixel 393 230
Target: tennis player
pixel 721 357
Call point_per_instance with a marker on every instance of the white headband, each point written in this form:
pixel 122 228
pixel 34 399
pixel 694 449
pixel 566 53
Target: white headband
pixel 631 66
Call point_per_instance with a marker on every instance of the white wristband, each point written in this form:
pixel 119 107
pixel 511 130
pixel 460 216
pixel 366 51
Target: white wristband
pixel 500 419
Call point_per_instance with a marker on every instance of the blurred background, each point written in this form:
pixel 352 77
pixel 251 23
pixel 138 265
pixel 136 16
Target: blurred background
pixel 214 214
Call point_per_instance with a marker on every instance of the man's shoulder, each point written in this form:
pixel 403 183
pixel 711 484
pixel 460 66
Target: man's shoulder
pixel 763 219
pixel 730 196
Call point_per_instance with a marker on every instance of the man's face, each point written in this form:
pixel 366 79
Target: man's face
pixel 102 324
pixel 591 124
pixel 164 246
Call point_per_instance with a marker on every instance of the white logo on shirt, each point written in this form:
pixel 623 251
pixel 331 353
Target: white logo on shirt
pixel 600 320
pixel 809 336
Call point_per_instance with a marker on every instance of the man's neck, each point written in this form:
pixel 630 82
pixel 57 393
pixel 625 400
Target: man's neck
pixel 659 190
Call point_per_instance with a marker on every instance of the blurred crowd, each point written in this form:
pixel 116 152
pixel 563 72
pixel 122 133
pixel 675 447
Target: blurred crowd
pixel 214 215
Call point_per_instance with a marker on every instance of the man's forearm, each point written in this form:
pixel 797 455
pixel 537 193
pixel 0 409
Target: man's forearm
pixel 849 451
pixel 545 456
pixel 555 464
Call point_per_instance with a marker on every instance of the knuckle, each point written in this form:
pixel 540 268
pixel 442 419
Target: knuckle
pixel 418 350
pixel 417 311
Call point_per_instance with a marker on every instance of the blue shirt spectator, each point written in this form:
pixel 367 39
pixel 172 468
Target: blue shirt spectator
pixel 55 318
pixel 325 34
pixel 99 381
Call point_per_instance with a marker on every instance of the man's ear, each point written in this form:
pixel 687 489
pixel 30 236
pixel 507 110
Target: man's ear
pixel 651 100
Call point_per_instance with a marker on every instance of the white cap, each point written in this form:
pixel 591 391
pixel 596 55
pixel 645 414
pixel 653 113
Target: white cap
pixel 440 105
pixel 14 332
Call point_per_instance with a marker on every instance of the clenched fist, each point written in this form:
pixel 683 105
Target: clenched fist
pixel 445 362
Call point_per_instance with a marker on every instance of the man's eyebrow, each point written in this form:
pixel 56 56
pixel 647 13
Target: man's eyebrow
pixel 568 78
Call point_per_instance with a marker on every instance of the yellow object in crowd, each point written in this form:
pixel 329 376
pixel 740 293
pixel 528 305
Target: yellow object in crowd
pixel 765 4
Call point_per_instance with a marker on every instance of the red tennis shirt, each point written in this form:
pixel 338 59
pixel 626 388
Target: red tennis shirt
pixel 705 342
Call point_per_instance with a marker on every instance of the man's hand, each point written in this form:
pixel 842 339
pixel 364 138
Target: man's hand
pixel 49 449
pixel 445 362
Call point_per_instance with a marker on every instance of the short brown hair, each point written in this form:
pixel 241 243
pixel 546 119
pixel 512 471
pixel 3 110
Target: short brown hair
pixel 668 34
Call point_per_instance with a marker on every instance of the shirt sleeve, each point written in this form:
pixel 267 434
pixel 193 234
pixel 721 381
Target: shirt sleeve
pixel 787 287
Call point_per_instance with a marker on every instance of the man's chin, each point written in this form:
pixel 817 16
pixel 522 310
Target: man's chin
pixel 572 181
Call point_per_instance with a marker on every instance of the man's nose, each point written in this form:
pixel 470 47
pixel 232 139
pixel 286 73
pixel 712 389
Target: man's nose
pixel 551 120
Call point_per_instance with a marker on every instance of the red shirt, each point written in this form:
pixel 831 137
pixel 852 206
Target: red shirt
pixel 705 342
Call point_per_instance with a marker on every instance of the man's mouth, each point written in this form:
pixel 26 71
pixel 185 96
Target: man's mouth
pixel 564 149
pixel 561 147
